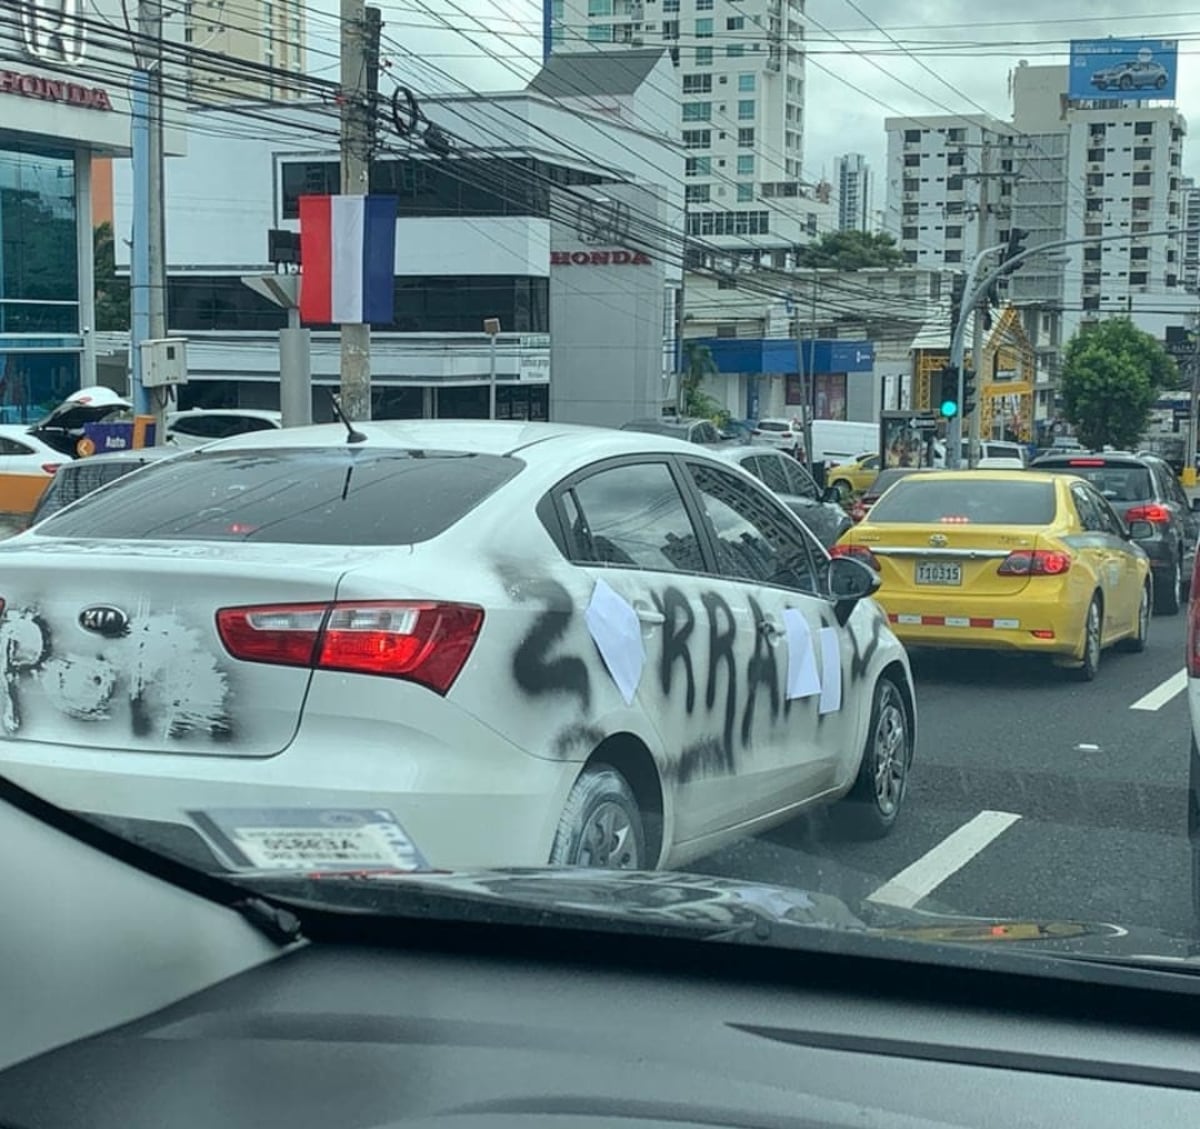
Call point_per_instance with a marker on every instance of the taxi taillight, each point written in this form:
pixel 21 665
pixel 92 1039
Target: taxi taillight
pixel 858 552
pixel 1035 562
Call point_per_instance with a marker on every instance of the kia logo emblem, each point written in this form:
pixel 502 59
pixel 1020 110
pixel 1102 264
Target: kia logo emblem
pixel 104 619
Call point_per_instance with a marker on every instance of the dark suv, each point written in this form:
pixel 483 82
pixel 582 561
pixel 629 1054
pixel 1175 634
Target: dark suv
pixel 1143 488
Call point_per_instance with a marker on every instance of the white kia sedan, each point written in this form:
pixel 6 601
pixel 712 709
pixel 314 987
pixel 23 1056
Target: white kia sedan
pixel 522 643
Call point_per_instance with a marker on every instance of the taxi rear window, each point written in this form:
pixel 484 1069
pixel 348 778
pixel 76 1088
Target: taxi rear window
pixel 921 501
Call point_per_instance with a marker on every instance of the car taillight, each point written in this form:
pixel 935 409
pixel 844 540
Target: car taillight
pixel 1035 562
pixel 858 552
pixel 422 642
pixel 50 468
pixel 1156 514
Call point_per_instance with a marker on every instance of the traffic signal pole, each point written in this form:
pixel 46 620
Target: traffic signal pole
pixel 977 288
pixel 972 293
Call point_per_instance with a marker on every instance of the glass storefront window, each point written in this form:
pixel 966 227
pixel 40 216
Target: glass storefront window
pixel 39 269
pixel 33 384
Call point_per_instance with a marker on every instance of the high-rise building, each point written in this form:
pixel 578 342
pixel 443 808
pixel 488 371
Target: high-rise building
pixel 1128 159
pixel 948 185
pixel 1191 234
pixel 855 184
pixel 738 106
pixel 265 35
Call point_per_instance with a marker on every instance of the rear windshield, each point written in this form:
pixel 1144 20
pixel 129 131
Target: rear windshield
pixel 1130 482
pixel 73 481
pixel 772 425
pixel 315 496
pixel 885 479
pixel 921 501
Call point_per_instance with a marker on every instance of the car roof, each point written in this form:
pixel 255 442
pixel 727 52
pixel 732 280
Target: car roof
pixel 133 454
pixel 983 474
pixel 740 450
pixel 251 413
pixel 550 443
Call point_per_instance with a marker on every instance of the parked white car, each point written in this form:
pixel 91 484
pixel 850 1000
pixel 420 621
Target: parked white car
pixel 528 642
pixel 197 426
pixel 782 434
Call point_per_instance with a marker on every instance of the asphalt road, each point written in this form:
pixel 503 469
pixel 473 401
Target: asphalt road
pixel 1032 796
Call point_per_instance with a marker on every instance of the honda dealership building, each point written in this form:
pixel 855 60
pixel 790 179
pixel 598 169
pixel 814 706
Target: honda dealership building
pixel 64 100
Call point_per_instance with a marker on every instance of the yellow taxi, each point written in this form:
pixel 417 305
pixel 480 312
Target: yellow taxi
pixel 1007 560
pixel 855 476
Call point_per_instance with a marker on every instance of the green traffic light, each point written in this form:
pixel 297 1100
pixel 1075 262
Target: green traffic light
pixel 949 409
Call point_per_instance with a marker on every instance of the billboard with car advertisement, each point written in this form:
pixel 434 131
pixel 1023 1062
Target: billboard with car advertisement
pixel 1123 69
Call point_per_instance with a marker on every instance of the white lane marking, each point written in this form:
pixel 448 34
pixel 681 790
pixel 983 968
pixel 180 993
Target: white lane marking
pixel 1163 692
pixel 925 875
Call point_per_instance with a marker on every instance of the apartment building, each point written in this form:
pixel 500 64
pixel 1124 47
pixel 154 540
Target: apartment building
pixel 1191 234
pixel 855 186
pixel 949 187
pixel 261 34
pixel 737 106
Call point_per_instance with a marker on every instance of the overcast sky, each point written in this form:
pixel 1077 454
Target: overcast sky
pixel 952 56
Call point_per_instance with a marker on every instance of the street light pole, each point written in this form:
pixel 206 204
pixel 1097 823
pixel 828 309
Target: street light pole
pixel 491 326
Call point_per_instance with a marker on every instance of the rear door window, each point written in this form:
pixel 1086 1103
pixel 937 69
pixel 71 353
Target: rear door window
pixel 921 501
pixel 632 516
pixel 773 474
pixel 334 496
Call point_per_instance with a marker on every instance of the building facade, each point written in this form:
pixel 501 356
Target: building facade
pixel 855 188
pixel 736 103
pixel 946 187
pixel 515 225
pixel 260 44
pixel 64 106
pixel 1191 235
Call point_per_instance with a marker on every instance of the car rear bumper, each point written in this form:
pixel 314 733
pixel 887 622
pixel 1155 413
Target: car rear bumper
pixel 1041 620
pixel 465 798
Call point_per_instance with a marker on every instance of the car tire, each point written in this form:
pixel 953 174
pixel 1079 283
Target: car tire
pixel 1093 634
pixel 1168 591
pixel 1137 644
pixel 1126 82
pixel 872 806
pixel 601 826
pixel 1160 82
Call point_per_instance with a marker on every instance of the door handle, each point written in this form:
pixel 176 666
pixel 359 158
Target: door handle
pixel 649 615
pixel 769 629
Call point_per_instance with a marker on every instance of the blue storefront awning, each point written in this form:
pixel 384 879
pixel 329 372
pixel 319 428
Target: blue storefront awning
pixel 777 355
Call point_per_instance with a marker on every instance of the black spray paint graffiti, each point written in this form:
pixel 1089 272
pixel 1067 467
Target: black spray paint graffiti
pixel 535 669
pixel 737 689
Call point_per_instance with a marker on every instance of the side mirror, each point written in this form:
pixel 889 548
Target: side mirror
pixel 851 580
pixel 1196 504
pixel 1141 531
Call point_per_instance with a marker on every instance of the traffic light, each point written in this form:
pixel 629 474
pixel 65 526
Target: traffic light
pixel 969 389
pixel 1016 246
pixel 948 408
pixel 958 290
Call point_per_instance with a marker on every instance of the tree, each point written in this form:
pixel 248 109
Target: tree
pixel 1112 374
pixel 851 250
pixel 112 291
pixel 698 363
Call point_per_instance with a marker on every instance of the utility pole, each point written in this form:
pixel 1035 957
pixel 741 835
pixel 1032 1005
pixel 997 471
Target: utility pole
pixel 148 274
pixel 359 83
pixel 1193 426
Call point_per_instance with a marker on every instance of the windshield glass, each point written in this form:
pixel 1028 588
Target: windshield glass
pixel 1118 482
pixel 921 501
pixel 477 554
pixel 328 497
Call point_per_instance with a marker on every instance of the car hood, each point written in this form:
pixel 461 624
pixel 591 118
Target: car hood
pixel 88 405
pixel 698 905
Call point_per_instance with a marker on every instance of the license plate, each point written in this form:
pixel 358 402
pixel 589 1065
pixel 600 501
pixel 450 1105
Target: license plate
pixel 317 839
pixel 939 572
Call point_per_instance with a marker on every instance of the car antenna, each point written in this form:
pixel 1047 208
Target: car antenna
pixel 353 435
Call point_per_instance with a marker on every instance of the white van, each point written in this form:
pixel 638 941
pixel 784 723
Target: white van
pixel 841 441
